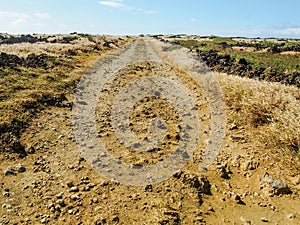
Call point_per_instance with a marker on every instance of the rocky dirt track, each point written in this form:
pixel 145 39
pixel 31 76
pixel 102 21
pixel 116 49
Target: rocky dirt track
pixel 55 184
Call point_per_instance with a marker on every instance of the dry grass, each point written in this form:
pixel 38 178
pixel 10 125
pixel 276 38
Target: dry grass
pixel 53 49
pixel 25 91
pixel 269 112
pixel 28 89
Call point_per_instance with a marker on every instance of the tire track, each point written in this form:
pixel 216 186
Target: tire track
pixel 104 72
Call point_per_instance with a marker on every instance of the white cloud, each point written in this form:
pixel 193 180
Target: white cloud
pixel 10 15
pixel 121 5
pixel 42 15
pixel 150 12
pixel 18 21
pixel 285 32
pixel 193 20
pixel 62 25
pixel 292 31
pixel 114 4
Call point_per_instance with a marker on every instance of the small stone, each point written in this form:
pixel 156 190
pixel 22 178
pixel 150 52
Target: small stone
pixel 61 202
pixel 70 184
pixel 74 189
pixel 211 209
pixel 6 194
pixel 250 165
pixel 149 188
pixel 91 185
pixel 30 150
pixel 291 216
pixel 74 197
pixel 265 220
pixel 224 171
pixel 6 206
pixel 115 219
pixel 9 171
pixel 233 127
pixel 60 195
pixel 199 219
pixel 237 198
pixel 87 188
pixel 21 168
pixel 44 220
pixel 95 200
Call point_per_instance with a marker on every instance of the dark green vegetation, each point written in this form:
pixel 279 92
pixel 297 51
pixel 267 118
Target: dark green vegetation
pixel 271 59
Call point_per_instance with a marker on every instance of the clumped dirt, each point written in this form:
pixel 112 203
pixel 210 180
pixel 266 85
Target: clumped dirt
pixel 55 185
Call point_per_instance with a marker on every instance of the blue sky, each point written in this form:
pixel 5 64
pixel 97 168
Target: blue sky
pixel 251 18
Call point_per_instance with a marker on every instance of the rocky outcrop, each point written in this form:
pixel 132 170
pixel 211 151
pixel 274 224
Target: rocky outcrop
pixel 32 60
pixel 21 39
pixel 243 68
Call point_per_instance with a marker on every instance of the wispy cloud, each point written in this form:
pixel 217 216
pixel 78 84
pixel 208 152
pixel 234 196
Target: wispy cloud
pixel 145 11
pixel 114 4
pixel 291 31
pixel 193 20
pixel 284 32
pixel 119 4
pixel 18 21
pixel 23 22
pixel 9 15
pixel 40 15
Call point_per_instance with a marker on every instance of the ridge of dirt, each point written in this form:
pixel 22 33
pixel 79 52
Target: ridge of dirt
pixel 54 184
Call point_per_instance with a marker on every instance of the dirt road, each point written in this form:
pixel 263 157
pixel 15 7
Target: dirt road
pixel 69 179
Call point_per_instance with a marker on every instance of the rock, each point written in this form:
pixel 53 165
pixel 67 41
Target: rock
pixel 291 216
pixel 100 221
pixel 21 168
pixel 272 186
pixel 237 198
pixel 60 195
pixel 149 188
pixel 242 61
pixel 74 189
pixel 7 206
pixel 224 172
pixel 11 143
pixel 44 220
pixel 30 150
pixel 95 200
pixel 74 197
pixel 265 220
pixel 61 202
pixel 115 219
pixel 250 165
pixel 201 184
pixel 233 127
pixel 9 171
pixel 52 209
pixel 70 184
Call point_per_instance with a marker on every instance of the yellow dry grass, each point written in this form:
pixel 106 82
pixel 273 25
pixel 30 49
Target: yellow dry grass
pixel 269 112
